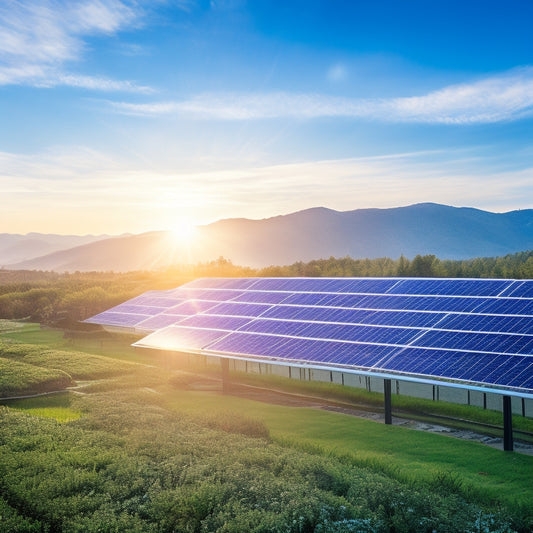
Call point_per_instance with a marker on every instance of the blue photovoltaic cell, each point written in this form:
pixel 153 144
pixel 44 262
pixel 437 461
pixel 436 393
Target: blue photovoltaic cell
pixel 239 309
pixel 525 380
pixel 519 289
pixel 190 307
pixel 308 298
pixel 208 294
pixel 333 285
pixel 181 338
pixel 262 297
pixel 148 310
pixel 152 294
pixel 419 303
pixel 370 334
pixel 160 321
pixel 229 323
pixel 221 283
pixel 451 287
pixel 488 323
pixel 355 316
pixel 333 352
pixel 110 318
pixel 406 319
pixel 507 306
pixel 345 300
pixel 153 301
pixel 290 285
pixel 278 327
pixel 249 344
pixel 509 372
pixel 363 285
pixel 482 342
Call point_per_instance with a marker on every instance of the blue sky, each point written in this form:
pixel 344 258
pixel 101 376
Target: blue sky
pixel 129 116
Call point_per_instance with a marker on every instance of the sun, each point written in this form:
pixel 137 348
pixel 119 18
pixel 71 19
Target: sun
pixel 183 231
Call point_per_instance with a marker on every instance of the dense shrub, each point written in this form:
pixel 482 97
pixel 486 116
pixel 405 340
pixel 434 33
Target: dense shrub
pixel 18 378
pixel 130 465
pixel 78 365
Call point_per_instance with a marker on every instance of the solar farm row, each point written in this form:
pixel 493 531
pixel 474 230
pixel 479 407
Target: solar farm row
pixel 475 331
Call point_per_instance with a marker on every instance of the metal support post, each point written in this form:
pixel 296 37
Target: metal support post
pixel 507 424
pixel 388 402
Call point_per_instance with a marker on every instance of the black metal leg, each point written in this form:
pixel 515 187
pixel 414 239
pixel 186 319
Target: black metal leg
pixel 507 424
pixel 388 402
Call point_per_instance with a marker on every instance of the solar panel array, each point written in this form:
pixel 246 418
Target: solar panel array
pixel 469 331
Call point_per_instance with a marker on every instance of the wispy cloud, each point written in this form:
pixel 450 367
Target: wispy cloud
pixel 505 97
pixel 39 38
pixel 92 190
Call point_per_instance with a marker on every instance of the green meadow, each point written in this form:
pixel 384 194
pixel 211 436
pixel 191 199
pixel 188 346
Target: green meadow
pixel 135 447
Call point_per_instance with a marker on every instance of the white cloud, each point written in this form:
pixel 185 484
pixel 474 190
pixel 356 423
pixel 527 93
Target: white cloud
pixel 38 38
pixel 495 99
pixel 99 84
pixel 69 186
pixel 506 97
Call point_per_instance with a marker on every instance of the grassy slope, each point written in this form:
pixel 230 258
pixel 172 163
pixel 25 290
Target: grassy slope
pixel 20 378
pixel 408 454
pixel 489 473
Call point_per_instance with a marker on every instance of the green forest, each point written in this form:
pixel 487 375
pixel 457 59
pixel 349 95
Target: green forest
pixel 48 297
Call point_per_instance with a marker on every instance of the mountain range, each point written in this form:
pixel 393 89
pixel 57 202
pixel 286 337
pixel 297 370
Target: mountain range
pixel 445 231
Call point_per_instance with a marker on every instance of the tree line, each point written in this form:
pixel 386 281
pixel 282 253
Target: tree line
pixel 49 296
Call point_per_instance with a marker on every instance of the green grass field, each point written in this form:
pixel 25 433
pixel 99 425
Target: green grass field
pixel 418 461
pixel 56 406
pixel 407 454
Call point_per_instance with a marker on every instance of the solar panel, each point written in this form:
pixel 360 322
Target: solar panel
pixel 469 331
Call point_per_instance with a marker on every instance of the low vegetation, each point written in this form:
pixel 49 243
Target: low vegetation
pixel 18 379
pixel 133 462
pixel 77 365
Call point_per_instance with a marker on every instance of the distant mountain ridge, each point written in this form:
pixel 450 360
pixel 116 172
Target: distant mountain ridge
pixel 445 231
pixel 15 248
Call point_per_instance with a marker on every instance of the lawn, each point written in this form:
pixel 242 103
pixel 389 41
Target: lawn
pixel 410 455
pixel 55 406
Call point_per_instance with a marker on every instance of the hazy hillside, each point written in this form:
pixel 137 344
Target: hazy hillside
pixel 15 248
pixel 448 232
